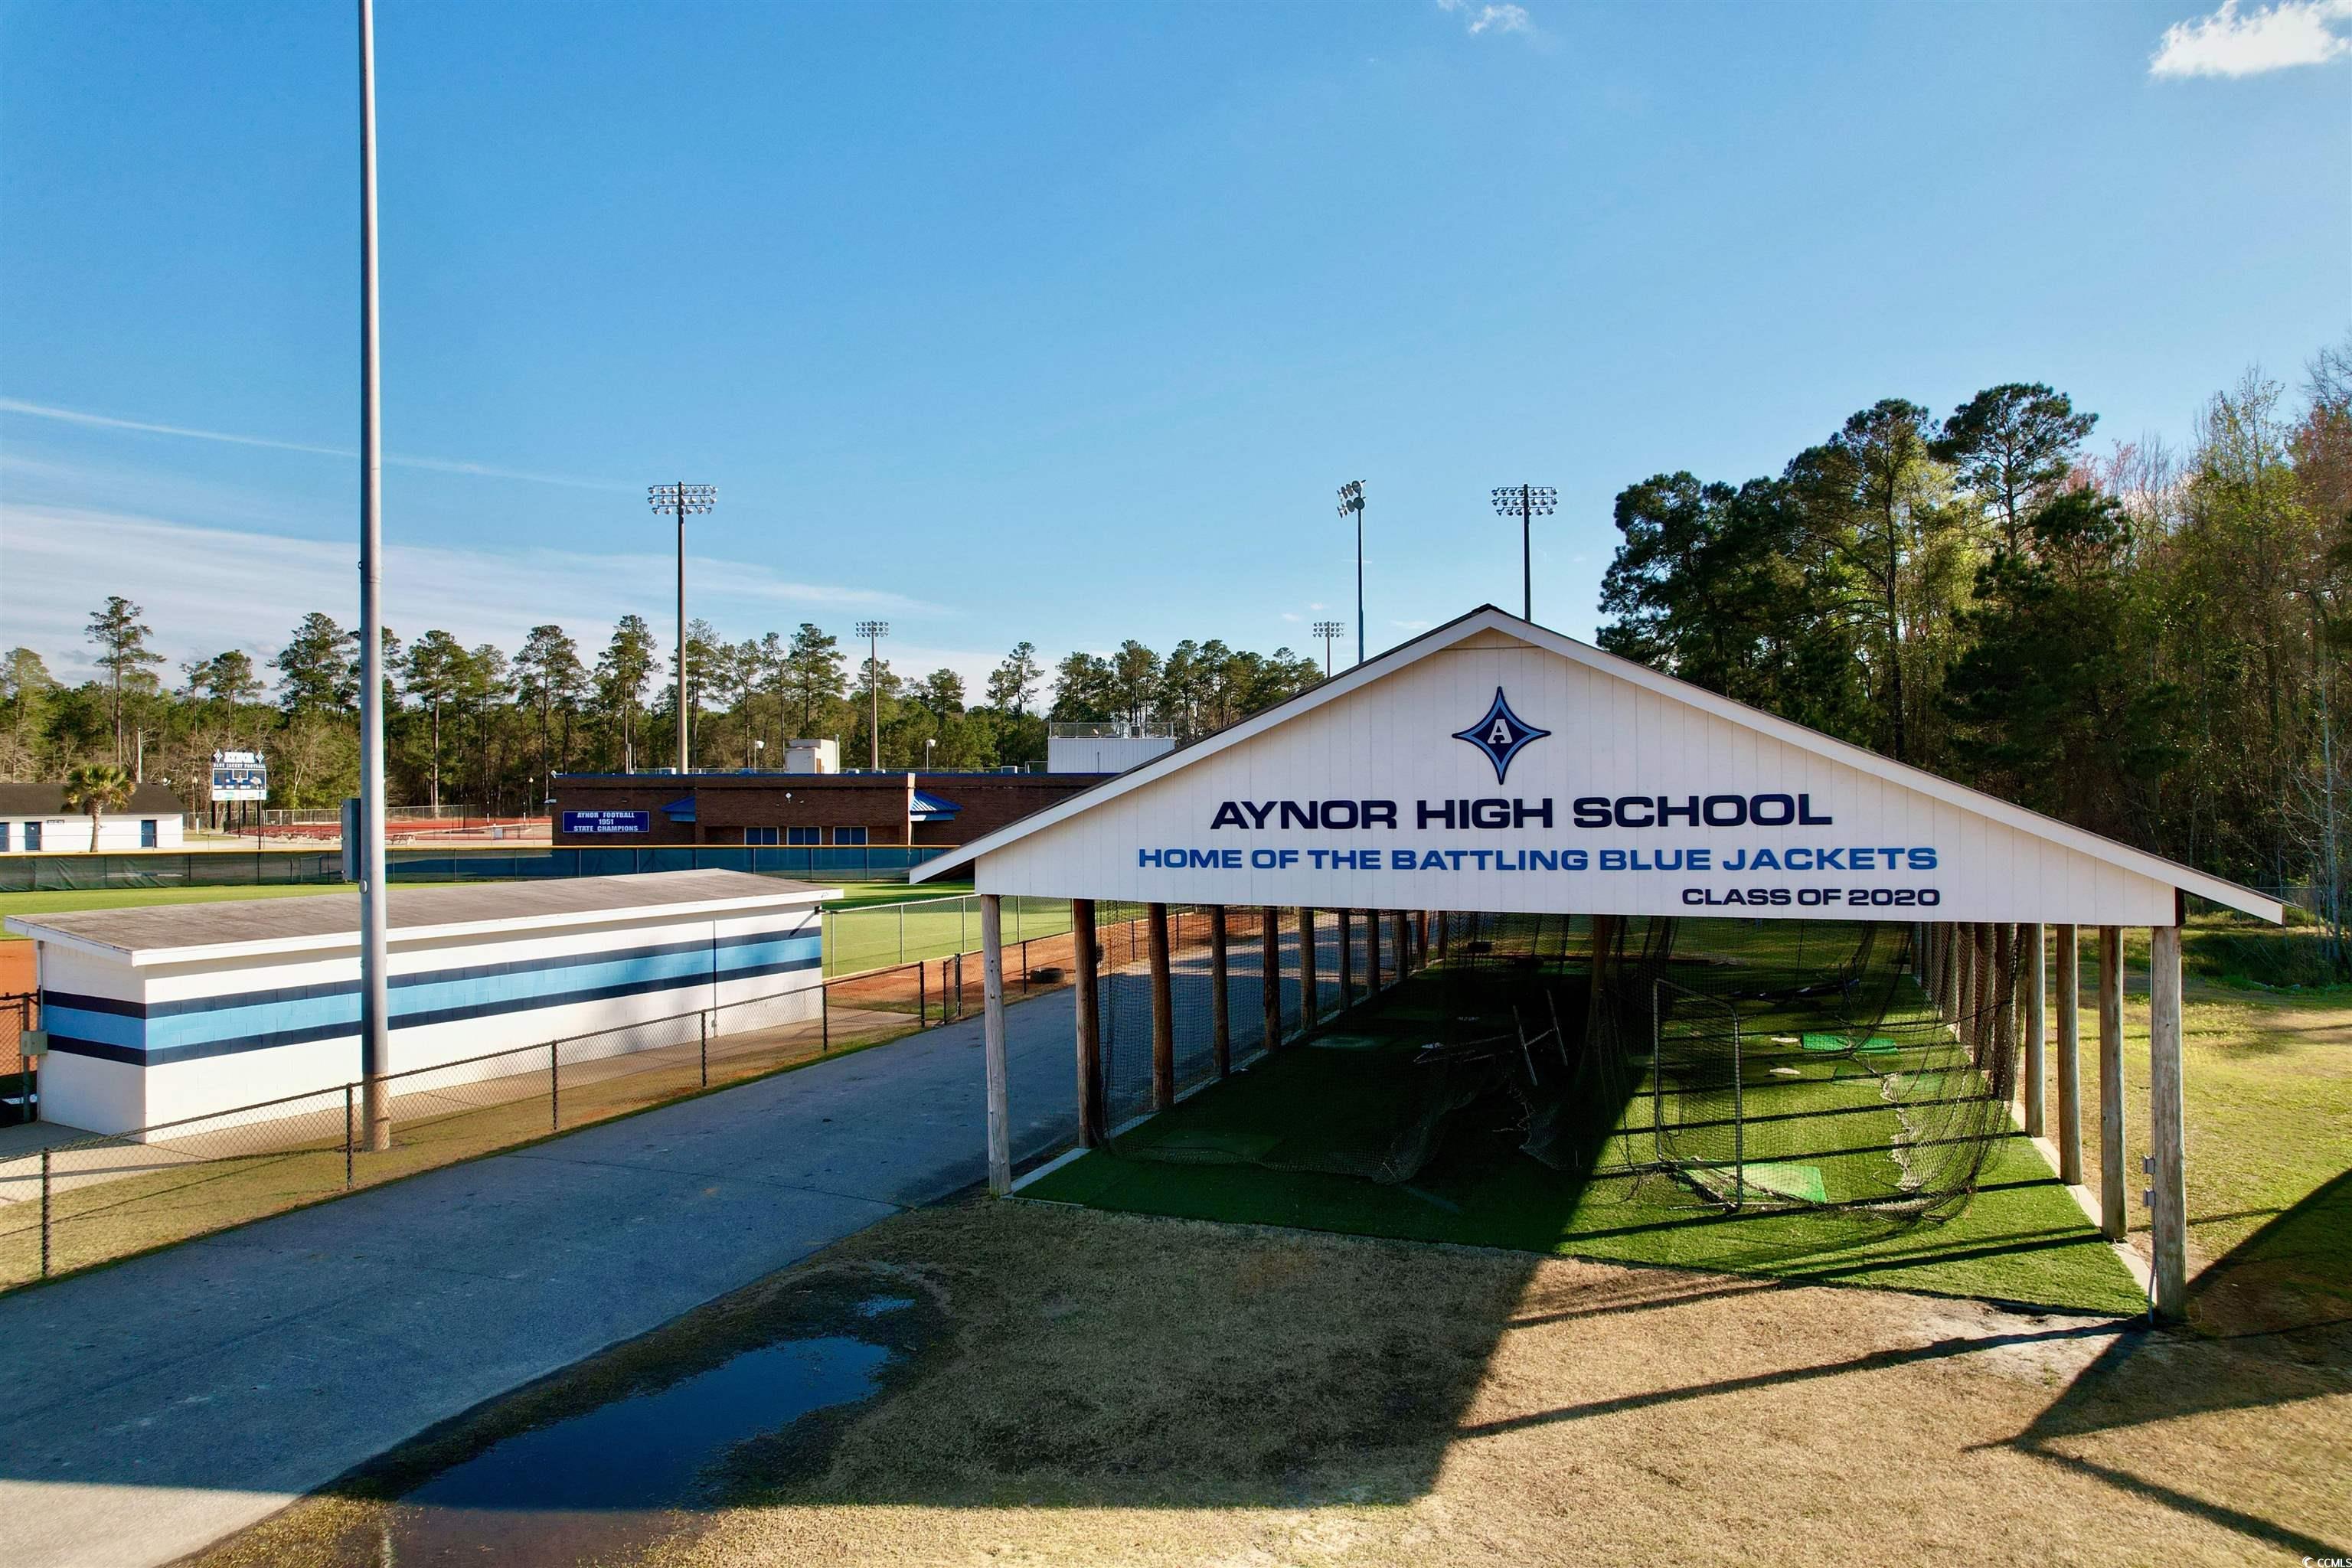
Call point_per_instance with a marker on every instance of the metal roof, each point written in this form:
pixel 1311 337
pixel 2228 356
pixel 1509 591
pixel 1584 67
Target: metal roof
pixel 180 931
pixel 930 807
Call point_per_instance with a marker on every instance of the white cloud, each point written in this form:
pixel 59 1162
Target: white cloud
pixel 1479 17
pixel 2234 43
pixel 205 589
pixel 185 432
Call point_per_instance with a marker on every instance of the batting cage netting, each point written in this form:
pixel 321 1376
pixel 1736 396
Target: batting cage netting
pixel 1821 1064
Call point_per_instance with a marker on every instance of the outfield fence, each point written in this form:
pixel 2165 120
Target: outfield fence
pixel 289 867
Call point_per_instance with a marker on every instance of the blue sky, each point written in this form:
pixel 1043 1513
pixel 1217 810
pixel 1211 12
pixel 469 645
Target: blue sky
pixel 1063 321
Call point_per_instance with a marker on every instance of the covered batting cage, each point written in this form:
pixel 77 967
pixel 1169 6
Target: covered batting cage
pixel 1497 922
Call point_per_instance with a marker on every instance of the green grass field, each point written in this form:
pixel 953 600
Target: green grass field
pixel 2021 1237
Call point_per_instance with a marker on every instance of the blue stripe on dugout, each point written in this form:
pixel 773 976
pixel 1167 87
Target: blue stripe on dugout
pixel 199 1027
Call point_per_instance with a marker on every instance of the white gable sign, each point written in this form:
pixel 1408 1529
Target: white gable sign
pixel 1490 772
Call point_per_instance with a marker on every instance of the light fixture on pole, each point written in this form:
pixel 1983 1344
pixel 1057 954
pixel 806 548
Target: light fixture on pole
pixel 1327 630
pixel 679 499
pixel 873 632
pixel 929 743
pixel 375 916
pixel 1526 502
pixel 1351 499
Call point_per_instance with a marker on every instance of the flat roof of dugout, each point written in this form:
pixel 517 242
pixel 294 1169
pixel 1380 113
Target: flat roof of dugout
pixel 177 932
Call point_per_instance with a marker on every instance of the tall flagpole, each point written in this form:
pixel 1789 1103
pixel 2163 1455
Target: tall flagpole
pixel 375 1010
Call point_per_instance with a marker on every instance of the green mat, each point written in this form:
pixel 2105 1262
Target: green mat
pixel 1773 1179
pixel 1348 1043
pixel 1839 1043
pixel 1209 1145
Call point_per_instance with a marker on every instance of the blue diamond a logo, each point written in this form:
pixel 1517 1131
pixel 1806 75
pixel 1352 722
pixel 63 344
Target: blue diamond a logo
pixel 1500 734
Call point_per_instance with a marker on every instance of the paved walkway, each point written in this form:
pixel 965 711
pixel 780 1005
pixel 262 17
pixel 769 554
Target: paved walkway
pixel 150 1408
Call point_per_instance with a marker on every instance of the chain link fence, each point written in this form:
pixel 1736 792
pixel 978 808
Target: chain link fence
pixel 878 936
pixel 80 1201
pixel 18 1077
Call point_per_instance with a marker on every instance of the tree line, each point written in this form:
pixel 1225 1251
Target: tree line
pixel 487 726
pixel 2148 643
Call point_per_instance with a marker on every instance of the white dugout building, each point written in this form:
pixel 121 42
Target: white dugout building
pixel 163 1013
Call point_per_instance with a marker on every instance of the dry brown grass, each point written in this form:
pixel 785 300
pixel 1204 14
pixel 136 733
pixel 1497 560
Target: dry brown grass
pixel 1141 1391
pixel 1096 1388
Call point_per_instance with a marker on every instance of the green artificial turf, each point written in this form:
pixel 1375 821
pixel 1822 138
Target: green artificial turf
pixel 1220 1155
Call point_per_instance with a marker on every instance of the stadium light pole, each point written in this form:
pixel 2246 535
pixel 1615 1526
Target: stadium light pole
pixel 1327 630
pixel 681 499
pixel 1351 499
pixel 1530 502
pixel 375 988
pixel 873 632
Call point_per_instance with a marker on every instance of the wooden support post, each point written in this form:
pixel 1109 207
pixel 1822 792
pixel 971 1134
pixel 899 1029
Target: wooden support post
pixel 1947 973
pixel 2169 1215
pixel 2037 1023
pixel 1086 958
pixel 1371 952
pixel 1974 967
pixel 1270 956
pixel 991 987
pixel 1309 1004
pixel 2069 998
pixel 2001 1045
pixel 1163 1011
pixel 1221 1022
pixel 2114 1217
pixel 1598 975
pixel 1346 960
pixel 1444 926
pixel 1403 945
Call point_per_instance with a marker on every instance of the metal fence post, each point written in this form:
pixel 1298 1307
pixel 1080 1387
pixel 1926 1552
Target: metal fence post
pixel 348 1135
pixel 1024 957
pixel 922 993
pixel 704 1019
pixel 554 1092
pixel 823 1017
pixel 45 1213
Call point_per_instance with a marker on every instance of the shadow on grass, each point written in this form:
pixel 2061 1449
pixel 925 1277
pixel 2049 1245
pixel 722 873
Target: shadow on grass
pixel 2144 1378
pixel 2277 1321
pixel 2294 1273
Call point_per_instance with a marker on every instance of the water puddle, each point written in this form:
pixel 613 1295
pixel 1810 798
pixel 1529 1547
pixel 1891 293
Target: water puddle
pixel 612 1482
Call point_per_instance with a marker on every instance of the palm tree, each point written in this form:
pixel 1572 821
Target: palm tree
pixel 97 788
